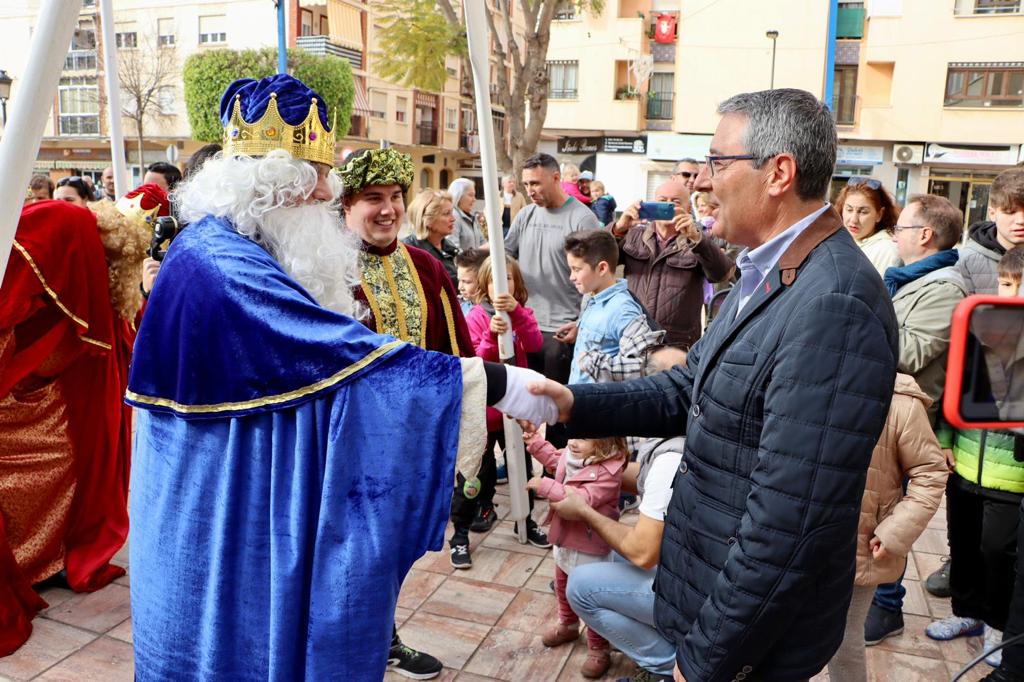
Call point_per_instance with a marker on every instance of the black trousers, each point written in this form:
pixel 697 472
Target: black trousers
pixel 1013 655
pixel 982 551
pixel 554 360
pixel 464 509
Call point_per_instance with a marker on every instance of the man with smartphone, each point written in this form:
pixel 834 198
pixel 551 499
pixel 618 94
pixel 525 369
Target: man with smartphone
pixel 667 260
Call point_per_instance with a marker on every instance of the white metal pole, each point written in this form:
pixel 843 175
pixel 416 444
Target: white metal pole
pixel 113 85
pixel 476 34
pixel 30 111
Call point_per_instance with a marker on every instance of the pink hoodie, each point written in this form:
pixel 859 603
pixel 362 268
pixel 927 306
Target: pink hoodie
pixel 599 484
pixel 527 340
pixel 573 190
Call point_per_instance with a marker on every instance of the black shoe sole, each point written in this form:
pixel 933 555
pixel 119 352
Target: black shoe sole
pixel 894 633
pixel 538 544
pixel 412 675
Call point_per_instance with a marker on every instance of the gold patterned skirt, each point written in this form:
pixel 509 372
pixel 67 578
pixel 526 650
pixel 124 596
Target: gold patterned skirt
pixel 37 478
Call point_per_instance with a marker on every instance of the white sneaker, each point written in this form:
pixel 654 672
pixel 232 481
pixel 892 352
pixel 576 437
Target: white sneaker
pixel 993 638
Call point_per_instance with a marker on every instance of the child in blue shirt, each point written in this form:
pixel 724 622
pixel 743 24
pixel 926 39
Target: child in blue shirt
pixel 593 256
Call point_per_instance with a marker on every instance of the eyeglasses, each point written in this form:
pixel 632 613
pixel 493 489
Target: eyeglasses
pixel 715 162
pixel 899 228
pixel 870 183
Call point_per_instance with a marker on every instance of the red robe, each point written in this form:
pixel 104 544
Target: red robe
pixel 63 369
pixel 411 297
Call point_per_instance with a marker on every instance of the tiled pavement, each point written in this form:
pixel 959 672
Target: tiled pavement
pixel 484 623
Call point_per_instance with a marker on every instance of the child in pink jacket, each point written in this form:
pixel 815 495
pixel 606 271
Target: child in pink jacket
pixel 484 324
pixel 593 468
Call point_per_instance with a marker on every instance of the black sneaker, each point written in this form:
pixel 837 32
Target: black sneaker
pixel 484 520
pixel 534 535
pixel 410 663
pixel 881 624
pixel 938 582
pixel 460 552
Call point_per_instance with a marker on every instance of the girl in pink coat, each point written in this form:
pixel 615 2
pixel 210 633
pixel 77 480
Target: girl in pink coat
pixel 485 325
pixel 593 468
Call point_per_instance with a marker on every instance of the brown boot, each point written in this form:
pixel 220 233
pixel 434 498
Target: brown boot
pixel 560 634
pixel 597 663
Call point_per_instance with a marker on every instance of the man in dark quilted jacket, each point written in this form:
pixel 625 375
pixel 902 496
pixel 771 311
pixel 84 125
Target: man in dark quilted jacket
pixel 781 403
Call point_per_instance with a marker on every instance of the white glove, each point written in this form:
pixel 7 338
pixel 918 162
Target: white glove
pixel 519 403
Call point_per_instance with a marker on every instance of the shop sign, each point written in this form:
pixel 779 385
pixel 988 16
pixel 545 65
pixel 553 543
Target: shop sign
pixel 673 146
pixel 975 155
pixel 580 145
pixel 859 155
pixel 625 145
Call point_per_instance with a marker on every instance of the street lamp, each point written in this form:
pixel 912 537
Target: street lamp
pixel 773 34
pixel 5 93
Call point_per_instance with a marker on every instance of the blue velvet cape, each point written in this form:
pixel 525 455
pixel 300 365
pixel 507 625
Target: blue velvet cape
pixel 290 465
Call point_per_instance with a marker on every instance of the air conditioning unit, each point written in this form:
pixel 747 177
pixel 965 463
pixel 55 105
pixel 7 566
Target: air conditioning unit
pixel 908 154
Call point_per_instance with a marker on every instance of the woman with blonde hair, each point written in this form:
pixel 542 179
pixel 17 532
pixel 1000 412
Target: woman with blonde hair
pixel 432 220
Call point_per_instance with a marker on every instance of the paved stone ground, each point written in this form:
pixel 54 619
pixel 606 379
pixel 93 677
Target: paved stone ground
pixel 484 623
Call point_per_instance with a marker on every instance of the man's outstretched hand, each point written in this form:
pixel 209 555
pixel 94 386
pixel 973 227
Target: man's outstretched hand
pixel 560 394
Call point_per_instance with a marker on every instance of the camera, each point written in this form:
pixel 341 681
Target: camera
pixel 165 229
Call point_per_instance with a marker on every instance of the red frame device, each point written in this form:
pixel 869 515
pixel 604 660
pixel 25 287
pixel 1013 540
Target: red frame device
pixel 957 352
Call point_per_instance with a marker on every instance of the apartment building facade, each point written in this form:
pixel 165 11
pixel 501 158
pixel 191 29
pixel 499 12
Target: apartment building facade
pixel 928 96
pixel 437 128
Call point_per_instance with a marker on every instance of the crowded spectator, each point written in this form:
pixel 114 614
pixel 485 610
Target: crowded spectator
pixel 984 499
pixel 593 256
pixel 1011 667
pixel 924 292
pixel 432 219
pixel 602 204
pixel 199 157
pixel 41 187
pixel 666 263
pixel 165 175
pixel 571 183
pixel 537 240
pixel 987 242
pixel 616 597
pixel 891 520
pixel 512 202
pixel 485 325
pixel 869 215
pixel 781 409
pixel 73 189
pixel 107 181
pixel 469 228
pixel 90 187
pixel 467 265
pixel 593 468
pixel 686 171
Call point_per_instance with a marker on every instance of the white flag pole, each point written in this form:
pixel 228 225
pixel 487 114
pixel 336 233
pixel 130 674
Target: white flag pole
pixel 515 454
pixel 113 85
pixel 30 112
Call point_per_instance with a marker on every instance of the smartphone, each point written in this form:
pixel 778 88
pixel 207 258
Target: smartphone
pixel 657 210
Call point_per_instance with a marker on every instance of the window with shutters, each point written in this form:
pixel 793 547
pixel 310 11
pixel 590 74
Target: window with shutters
pixel 213 30
pixel 165 32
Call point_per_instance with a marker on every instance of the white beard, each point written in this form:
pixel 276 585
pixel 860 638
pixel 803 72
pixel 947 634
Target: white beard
pixel 317 252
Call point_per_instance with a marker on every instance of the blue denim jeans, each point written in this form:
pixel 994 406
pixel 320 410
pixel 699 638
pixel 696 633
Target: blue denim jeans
pixel 616 599
pixel 889 596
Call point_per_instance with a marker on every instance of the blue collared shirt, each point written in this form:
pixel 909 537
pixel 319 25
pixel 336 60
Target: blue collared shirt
pixel 604 318
pixel 755 264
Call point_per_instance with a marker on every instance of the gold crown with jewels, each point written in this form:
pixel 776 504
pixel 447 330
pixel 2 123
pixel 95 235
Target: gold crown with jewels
pixel 308 140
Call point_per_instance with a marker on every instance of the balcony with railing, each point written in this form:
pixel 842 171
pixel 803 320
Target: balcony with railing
pixel 426 133
pixel 322 45
pixel 659 106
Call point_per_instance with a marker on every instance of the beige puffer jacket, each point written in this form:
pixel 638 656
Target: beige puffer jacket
pixel 907 447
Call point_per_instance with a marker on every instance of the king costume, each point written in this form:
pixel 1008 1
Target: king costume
pixel 67 303
pixel 291 464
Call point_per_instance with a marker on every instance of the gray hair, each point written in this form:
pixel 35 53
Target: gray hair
pixel 789 121
pixel 458 188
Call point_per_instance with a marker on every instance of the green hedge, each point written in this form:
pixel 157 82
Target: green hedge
pixel 207 74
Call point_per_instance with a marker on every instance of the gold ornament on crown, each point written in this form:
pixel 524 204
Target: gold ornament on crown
pixel 307 140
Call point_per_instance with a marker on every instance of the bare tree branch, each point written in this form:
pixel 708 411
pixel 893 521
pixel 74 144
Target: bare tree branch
pixel 142 73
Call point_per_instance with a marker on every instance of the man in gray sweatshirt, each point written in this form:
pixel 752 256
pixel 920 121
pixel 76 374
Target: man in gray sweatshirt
pixel 537 239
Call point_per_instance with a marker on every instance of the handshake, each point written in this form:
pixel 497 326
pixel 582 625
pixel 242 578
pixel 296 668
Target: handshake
pixel 533 399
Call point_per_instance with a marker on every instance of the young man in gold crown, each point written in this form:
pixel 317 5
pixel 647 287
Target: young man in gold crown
pixel 280 491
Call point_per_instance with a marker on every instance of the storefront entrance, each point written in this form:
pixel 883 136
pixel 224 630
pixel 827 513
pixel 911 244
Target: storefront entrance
pixel 969 192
